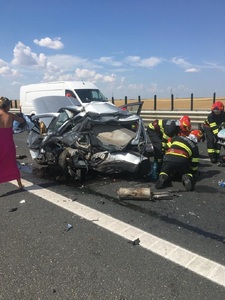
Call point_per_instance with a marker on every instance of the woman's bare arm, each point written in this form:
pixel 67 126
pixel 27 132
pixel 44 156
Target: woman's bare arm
pixel 17 118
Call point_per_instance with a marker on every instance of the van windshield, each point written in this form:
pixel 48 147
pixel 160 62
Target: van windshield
pixel 89 95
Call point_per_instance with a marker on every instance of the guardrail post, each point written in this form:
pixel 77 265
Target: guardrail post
pixel 13 104
pixel 125 100
pixel 155 102
pixel 214 97
pixel 192 101
pixel 139 98
pixel 172 102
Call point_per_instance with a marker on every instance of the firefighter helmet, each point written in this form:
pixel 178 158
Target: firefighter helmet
pixel 185 118
pixel 217 107
pixel 185 126
pixel 196 135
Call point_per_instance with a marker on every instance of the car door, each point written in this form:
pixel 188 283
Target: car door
pixel 134 108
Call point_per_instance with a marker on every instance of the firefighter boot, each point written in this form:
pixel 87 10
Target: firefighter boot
pixel 188 182
pixel 161 180
pixel 213 158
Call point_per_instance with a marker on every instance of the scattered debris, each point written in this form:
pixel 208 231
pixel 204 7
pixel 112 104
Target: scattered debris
pixel 134 193
pixel 69 226
pixel 13 209
pixel 143 194
pixel 22 201
pixel 221 183
pixel 162 196
pixel 135 242
pixel 21 156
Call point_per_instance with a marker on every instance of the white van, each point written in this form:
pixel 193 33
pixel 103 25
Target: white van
pixel 83 91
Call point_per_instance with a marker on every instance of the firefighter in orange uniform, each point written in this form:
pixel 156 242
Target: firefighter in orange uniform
pixel 181 159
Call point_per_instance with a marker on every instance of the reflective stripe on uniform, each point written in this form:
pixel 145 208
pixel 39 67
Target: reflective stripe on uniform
pixel 182 145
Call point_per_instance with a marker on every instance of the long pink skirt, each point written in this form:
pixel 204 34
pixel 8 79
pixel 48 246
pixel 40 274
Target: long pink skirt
pixel 8 165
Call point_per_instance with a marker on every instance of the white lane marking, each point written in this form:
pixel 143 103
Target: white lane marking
pixel 187 259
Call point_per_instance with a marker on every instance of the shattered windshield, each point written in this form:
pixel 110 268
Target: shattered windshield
pixel 57 122
pixel 89 95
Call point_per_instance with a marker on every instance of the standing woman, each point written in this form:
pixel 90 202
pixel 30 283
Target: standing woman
pixel 8 165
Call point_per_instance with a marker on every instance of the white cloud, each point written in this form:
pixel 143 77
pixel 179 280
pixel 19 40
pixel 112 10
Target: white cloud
pixel 18 83
pixel 181 62
pixel 153 87
pixel 192 70
pixel 54 74
pixel 108 72
pixel 109 78
pixel 185 65
pixel 49 43
pixel 53 68
pixel 214 66
pixel 146 62
pixel 70 62
pixel 133 59
pixel 2 63
pixel 93 76
pixel 109 60
pixel 6 71
pixel 150 62
pixel 23 56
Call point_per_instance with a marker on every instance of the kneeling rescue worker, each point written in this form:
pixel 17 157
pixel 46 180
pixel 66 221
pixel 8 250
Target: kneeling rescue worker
pixel 161 131
pixel 182 159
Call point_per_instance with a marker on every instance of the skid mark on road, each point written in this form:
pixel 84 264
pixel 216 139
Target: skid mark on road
pixel 187 259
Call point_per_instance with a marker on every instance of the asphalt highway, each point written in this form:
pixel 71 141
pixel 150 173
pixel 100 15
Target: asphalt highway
pixel 64 240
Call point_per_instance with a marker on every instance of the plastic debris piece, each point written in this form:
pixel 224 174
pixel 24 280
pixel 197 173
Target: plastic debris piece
pixel 69 226
pixel 221 183
pixel 162 196
pixel 22 201
pixel 13 209
pixel 135 242
pixel 20 156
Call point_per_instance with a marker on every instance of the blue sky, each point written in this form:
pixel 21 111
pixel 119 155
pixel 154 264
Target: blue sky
pixel 126 47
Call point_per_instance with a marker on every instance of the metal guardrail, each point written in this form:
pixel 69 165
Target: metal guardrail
pixel 14 110
pixel 197 117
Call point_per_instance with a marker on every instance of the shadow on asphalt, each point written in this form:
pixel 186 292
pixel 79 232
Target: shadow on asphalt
pixel 208 174
pixel 14 192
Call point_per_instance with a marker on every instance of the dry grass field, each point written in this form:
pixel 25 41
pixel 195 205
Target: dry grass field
pixel 163 103
pixel 179 103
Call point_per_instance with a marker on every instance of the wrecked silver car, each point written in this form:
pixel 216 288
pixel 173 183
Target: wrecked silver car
pixel 97 136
